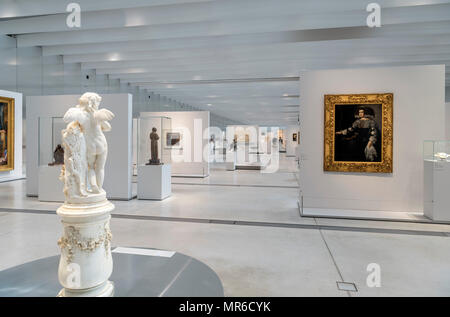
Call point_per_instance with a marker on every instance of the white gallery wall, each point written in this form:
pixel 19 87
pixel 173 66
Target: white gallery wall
pixel 419 114
pixel 17 172
pixel 447 120
pixel 194 164
pixel 118 170
pixel 291 145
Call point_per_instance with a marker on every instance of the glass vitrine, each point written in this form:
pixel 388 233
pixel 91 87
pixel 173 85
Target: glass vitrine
pixel 50 141
pixel 163 126
pixel 437 151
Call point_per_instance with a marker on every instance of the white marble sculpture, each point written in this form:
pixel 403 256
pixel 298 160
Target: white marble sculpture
pixel 86 125
pixel 86 262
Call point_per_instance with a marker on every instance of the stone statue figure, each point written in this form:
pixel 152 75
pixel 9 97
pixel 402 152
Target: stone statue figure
pixel 86 213
pixel 85 148
pixel 154 137
pixel 58 156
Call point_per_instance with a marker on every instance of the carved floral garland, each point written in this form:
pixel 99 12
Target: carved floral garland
pixel 73 239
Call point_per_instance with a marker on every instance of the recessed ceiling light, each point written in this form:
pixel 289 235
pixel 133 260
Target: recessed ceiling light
pixel 209 105
pixel 114 57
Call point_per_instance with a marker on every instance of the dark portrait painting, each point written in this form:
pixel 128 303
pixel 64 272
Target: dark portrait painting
pixel 6 134
pixel 358 133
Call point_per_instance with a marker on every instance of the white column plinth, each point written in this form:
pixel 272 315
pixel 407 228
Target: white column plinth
pixel 154 182
pixel 436 190
pixel 50 186
pixel 86 262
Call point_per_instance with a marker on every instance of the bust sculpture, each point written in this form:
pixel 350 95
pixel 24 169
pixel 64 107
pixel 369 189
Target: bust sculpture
pixel 154 137
pixel 85 148
pixel 58 156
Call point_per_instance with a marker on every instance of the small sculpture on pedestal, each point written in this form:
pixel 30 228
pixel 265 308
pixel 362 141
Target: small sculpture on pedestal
pixel 86 262
pixel 154 137
pixel 58 156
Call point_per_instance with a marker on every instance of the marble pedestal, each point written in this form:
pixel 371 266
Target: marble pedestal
pixel 50 186
pixel 154 182
pixel 86 262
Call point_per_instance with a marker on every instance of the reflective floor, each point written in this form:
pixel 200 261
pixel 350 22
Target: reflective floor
pixel 245 226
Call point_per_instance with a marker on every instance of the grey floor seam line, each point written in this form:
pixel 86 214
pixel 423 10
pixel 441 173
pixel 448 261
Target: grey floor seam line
pixel 261 224
pixel 175 278
pixel 331 255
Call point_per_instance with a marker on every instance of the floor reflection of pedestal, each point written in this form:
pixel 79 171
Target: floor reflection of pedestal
pixel 50 187
pixel 154 182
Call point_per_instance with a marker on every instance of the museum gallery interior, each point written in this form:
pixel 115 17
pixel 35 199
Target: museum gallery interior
pixel 212 148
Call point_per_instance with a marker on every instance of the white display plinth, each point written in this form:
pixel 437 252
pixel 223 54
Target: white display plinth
pixel 231 161
pixel 154 181
pixel 86 262
pixel 436 190
pixel 50 186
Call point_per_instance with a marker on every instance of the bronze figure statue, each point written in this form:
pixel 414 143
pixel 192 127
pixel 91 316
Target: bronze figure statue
pixel 154 137
pixel 58 156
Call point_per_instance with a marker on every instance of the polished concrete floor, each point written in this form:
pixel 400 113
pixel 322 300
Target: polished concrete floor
pixel 246 227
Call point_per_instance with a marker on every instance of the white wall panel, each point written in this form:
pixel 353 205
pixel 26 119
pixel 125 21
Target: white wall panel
pixel 419 114
pixel 196 165
pixel 119 163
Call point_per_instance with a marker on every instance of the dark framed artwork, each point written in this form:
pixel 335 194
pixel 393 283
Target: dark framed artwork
pixel 173 139
pixel 6 134
pixel 294 137
pixel 359 133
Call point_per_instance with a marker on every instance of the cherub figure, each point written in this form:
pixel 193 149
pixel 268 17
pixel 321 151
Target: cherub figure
pixel 93 122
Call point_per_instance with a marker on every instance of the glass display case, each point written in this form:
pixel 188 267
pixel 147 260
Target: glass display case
pixel 163 127
pixel 50 141
pixel 436 151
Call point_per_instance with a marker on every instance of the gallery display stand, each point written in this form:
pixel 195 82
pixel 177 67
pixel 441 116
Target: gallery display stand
pixel 86 248
pixel 50 186
pixel 154 181
pixel 436 190
pixel 137 273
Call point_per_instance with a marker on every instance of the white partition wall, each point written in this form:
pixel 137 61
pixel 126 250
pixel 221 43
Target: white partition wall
pixel 291 145
pixel 419 114
pixel 189 160
pixel 17 172
pixel 447 120
pixel 118 170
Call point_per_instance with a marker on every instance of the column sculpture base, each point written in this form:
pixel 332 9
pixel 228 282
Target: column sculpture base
pixel 86 262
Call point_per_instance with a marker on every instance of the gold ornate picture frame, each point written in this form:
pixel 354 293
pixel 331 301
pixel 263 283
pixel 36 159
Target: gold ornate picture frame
pixel 359 133
pixel 6 134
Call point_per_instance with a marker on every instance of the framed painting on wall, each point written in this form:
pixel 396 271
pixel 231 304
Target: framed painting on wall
pixel 359 133
pixel 173 140
pixel 6 134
